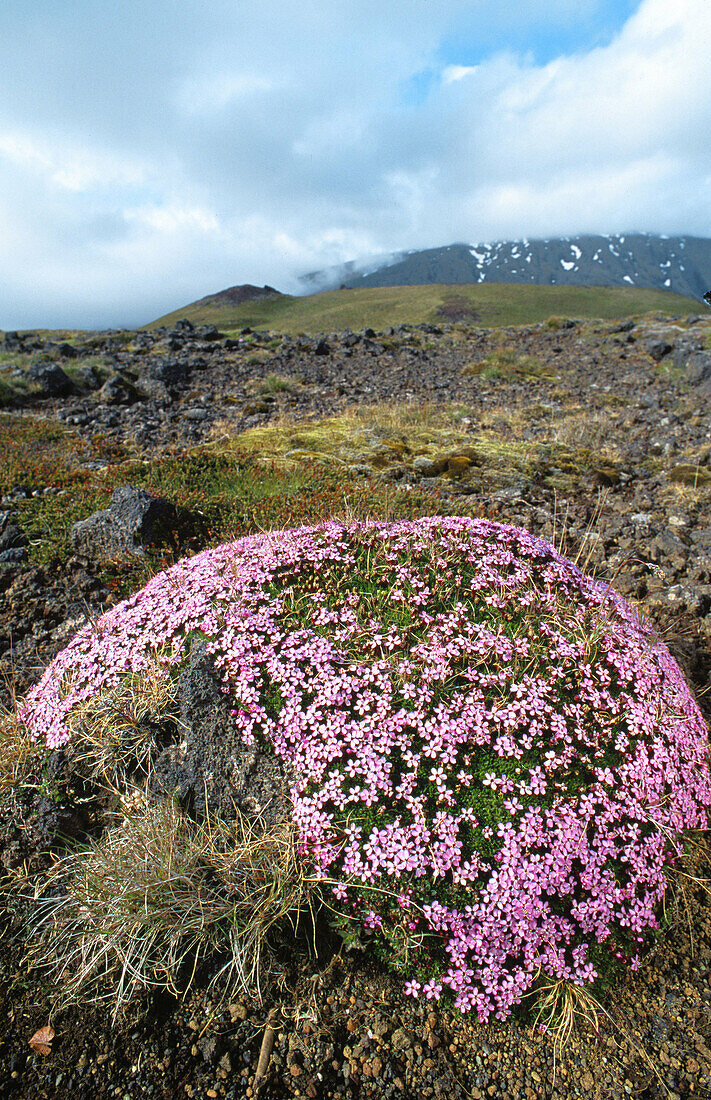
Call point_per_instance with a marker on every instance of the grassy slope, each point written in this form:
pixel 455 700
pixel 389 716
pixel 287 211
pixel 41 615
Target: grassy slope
pixel 489 305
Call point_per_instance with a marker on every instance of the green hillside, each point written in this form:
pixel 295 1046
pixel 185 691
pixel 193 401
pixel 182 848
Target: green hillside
pixel 489 305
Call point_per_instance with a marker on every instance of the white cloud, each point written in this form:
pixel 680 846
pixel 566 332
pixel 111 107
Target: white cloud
pixel 452 73
pixel 214 92
pixel 68 165
pixel 173 218
pixel 146 161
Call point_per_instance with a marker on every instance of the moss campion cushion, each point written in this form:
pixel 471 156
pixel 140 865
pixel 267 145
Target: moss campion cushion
pixel 498 758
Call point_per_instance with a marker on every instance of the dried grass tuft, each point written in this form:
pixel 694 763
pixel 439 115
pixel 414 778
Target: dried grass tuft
pixel 158 895
pixel 117 735
pixel 17 752
pixel 561 1006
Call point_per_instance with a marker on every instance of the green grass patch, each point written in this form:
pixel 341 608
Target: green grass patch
pixel 232 492
pixel 508 366
pixel 488 305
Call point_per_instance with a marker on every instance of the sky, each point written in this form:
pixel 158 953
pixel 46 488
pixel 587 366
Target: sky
pixel 155 151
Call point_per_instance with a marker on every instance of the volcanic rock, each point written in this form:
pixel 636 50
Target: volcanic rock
pixel 211 769
pixel 133 521
pixel 50 380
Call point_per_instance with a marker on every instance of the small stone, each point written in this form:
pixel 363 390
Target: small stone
pixel 400 1040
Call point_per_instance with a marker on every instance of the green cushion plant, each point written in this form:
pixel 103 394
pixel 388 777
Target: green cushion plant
pixel 498 760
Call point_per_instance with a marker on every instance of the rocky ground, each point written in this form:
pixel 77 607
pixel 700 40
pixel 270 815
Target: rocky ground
pixel 595 435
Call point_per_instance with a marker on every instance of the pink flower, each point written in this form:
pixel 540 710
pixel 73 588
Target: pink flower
pixel 432 661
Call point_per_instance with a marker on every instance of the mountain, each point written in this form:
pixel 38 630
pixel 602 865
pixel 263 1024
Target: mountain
pixel 679 264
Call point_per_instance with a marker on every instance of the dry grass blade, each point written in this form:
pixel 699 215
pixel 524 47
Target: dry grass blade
pixel 159 894
pixel 561 1005
pixel 118 734
pixel 17 751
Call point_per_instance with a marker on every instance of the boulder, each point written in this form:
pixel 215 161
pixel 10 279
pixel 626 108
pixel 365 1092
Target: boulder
pixel 169 371
pixel 211 770
pixel 658 349
pixel 117 390
pixel 50 380
pixel 89 377
pixel 133 521
pixel 698 367
pixel 154 390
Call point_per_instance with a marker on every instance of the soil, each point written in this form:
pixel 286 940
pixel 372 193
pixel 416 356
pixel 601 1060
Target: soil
pixel 341 1026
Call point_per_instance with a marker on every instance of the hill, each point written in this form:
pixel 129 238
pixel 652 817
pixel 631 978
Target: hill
pixel 491 306
pixel 680 264
pixel 237 295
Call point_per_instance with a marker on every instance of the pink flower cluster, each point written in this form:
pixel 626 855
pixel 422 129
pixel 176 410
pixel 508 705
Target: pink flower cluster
pixel 498 759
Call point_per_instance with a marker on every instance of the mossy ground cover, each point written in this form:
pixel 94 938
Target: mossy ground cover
pixel 290 471
pixel 507 365
pixel 490 454
pixel 231 490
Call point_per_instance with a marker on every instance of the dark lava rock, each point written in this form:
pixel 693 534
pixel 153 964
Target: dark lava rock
pixel 117 390
pixel 36 817
pixel 89 377
pixel 658 349
pixel 12 536
pixel 67 351
pixel 698 367
pixel 183 325
pixel 13 543
pixel 154 390
pixel 211 769
pixel 169 371
pixel 50 379
pixel 133 520
pixel 14 555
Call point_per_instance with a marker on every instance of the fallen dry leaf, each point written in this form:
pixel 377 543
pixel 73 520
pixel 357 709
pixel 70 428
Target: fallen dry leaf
pixel 41 1041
